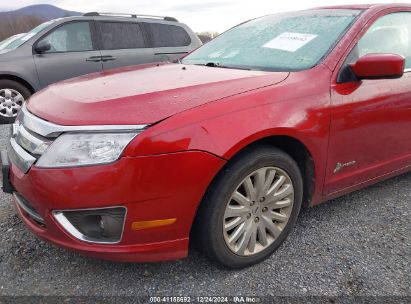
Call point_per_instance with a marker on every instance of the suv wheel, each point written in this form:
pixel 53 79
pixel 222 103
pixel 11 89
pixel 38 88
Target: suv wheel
pixel 12 97
pixel 251 208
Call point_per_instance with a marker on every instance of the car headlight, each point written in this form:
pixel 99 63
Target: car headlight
pixel 80 149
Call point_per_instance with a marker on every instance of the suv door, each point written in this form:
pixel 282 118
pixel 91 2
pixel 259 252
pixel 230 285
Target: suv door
pixel 371 119
pixel 170 42
pixel 73 53
pixel 122 44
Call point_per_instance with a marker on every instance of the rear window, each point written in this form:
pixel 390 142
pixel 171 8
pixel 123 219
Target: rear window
pixel 121 35
pixel 165 35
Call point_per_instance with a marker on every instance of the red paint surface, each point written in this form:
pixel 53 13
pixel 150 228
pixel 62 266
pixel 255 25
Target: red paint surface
pixel 207 115
pixel 379 66
pixel 151 187
pixel 142 94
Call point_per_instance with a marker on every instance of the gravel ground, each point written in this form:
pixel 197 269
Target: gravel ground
pixel 4 131
pixel 357 245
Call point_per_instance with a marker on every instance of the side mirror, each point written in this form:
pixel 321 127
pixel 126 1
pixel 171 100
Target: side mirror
pixel 379 66
pixel 43 46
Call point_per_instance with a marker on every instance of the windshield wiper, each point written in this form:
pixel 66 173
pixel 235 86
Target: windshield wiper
pixel 218 65
pixel 212 64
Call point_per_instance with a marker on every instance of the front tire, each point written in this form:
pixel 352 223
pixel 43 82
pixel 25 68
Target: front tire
pixel 250 208
pixel 12 97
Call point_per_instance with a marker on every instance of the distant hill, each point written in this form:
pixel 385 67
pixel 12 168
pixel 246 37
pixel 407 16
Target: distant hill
pixel 26 18
pixel 41 11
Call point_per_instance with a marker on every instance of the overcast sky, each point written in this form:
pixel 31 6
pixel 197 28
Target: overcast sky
pixel 200 15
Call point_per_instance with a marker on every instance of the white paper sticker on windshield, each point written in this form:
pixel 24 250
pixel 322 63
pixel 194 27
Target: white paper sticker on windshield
pixel 290 42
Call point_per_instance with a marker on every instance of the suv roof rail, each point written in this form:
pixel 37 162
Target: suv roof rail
pixel 166 18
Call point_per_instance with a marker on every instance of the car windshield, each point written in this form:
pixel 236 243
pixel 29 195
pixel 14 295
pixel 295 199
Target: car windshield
pixel 9 40
pixel 16 43
pixel 282 42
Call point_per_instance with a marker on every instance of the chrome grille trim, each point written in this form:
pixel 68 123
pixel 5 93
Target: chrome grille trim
pixel 48 129
pixel 30 142
pixel 19 156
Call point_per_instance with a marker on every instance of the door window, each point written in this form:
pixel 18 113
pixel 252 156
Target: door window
pixel 70 37
pixel 121 35
pixel 389 34
pixel 165 35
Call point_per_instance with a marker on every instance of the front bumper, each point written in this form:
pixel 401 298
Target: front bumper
pixel 151 188
pixel 5 172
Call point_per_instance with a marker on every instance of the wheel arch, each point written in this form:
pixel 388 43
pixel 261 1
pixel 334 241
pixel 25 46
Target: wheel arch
pixel 19 80
pixel 297 151
pixel 290 145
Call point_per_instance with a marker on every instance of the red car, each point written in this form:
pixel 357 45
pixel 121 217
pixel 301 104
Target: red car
pixel 222 148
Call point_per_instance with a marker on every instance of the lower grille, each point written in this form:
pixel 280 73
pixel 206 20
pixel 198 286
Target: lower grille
pixel 29 209
pixel 100 226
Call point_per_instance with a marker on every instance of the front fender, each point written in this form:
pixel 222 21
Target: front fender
pixel 29 79
pixel 225 135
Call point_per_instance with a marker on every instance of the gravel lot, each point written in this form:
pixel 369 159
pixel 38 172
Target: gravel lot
pixel 357 245
pixel 4 131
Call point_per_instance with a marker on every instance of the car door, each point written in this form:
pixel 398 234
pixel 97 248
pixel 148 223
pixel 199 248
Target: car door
pixel 123 44
pixel 170 42
pixel 73 53
pixel 371 119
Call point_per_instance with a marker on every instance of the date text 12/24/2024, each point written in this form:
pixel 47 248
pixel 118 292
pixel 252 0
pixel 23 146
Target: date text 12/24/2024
pixel 205 299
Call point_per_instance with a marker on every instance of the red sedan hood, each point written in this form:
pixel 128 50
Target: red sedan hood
pixel 142 94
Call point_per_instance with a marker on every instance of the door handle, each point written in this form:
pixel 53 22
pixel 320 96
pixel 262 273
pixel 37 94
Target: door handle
pixel 94 59
pixel 107 58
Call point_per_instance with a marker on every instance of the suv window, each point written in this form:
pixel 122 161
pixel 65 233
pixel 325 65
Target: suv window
pixel 121 35
pixel 70 37
pixel 165 35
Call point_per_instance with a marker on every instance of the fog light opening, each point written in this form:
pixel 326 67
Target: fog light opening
pixel 94 225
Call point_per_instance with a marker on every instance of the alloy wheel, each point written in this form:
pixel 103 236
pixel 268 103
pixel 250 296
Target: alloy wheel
pixel 258 211
pixel 10 102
